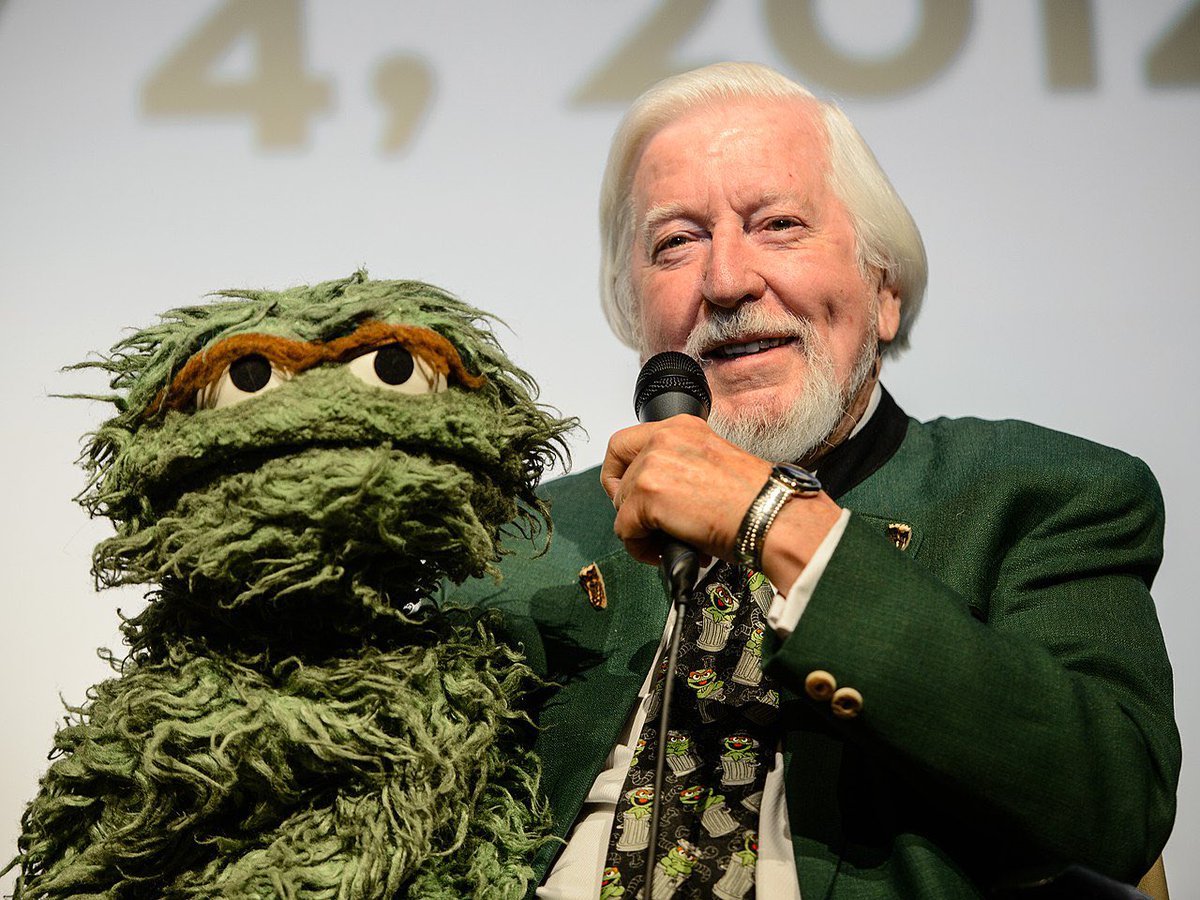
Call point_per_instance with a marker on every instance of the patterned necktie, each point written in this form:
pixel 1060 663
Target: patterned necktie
pixel 720 742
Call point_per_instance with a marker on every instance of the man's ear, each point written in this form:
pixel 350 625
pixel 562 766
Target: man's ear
pixel 888 314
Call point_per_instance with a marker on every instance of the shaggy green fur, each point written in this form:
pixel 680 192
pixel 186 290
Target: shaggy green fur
pixel 202 776
pixel 279 728
pixel 137 466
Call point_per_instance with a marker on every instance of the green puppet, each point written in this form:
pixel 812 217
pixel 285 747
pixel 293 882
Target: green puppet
pixel 294 474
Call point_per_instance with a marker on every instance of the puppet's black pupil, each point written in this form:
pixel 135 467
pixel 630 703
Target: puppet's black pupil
pixel 250 373
pixel 393 364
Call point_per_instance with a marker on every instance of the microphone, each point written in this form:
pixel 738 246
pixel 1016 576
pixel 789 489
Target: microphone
pixel 672 384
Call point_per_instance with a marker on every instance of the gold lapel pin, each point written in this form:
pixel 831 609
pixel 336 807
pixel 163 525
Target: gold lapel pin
pixel 899 534
pixel 592 583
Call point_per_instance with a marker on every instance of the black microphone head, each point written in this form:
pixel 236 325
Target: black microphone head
pixel 669 384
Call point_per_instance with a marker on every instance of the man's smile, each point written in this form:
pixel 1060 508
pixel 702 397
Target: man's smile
pixel 748 348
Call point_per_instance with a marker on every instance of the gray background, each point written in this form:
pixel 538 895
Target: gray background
pixel 1047 149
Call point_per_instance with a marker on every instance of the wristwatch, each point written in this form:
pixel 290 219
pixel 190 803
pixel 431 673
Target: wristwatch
pixel 785 482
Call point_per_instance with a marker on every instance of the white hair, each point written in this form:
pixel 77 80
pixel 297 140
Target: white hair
pixel 886 237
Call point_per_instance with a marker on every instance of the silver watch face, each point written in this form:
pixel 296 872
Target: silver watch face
pixel 800 480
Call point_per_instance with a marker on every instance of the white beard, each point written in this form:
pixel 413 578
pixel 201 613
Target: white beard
pixel 811 417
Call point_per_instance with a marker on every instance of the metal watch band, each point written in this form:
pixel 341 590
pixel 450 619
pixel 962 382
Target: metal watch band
pixel 785 482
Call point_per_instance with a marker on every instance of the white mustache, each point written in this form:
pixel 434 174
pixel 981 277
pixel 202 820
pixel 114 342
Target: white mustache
pixel 746 323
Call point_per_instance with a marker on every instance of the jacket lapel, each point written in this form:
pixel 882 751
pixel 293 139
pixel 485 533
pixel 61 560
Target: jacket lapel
pixel 600 658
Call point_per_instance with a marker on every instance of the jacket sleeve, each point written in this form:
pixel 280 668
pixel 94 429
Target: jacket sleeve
pixel 1030 699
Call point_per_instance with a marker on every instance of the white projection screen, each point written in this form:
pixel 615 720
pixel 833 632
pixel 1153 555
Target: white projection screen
pixel 155 151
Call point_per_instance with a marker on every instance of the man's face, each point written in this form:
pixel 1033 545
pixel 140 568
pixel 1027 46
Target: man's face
pixel 732 210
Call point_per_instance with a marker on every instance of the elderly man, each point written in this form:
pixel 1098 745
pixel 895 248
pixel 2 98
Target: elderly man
pixel 958 680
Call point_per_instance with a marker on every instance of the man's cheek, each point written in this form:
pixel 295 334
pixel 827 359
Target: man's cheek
pixel 653 333
pixel 667 327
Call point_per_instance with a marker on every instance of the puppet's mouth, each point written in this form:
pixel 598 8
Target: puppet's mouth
pixel 186 476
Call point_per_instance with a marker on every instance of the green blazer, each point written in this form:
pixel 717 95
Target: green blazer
pixel 1017 700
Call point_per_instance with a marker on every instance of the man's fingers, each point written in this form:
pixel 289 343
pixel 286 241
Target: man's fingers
pixel 623 448
pixel 677 477
pixel 625 445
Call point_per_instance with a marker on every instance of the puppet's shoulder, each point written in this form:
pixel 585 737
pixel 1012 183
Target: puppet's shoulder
pixel 581 517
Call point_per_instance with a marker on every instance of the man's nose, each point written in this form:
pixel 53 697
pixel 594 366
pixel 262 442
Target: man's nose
pixel 731 276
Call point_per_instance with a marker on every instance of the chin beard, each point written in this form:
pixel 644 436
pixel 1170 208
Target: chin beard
pixel 805 423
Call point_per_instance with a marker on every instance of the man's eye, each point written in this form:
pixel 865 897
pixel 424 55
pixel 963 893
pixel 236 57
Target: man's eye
pixel 395 368
pixel 782 224
pixel 246 377
pixel 670 243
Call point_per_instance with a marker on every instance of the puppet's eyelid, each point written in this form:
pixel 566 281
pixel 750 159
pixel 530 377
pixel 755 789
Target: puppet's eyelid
pixel 395 368
pixel 244 378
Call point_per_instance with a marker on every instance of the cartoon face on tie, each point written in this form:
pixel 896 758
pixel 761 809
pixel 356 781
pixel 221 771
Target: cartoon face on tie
pixel 705 683
pixel 748 670
pixel 679 861
pixel 717 619
pixel 680 757
pixel 610 884
pixel 751 843
pixel 722 604
pixel 738 746
pixel 753 651
pixel 690 796
pixel 739 762
pixel 678 743
pixel 761 590
pixel 640 798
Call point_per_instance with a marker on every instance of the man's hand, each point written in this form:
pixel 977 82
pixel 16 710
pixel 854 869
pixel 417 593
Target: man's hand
pixel 678 477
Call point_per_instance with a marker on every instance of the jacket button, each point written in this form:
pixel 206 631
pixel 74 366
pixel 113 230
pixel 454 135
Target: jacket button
pixel 847 703
pixel 820 685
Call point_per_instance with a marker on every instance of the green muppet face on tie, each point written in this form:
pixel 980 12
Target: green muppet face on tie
pixel 354 438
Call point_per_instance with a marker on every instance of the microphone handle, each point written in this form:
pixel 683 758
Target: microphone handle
pixel 675 384
pixel 679 566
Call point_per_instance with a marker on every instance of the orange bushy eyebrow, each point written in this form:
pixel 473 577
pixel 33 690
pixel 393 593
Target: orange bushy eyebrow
pixel 294 357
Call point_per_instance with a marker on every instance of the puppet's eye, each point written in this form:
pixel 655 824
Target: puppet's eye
pixel 395 368
pixel 246 377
